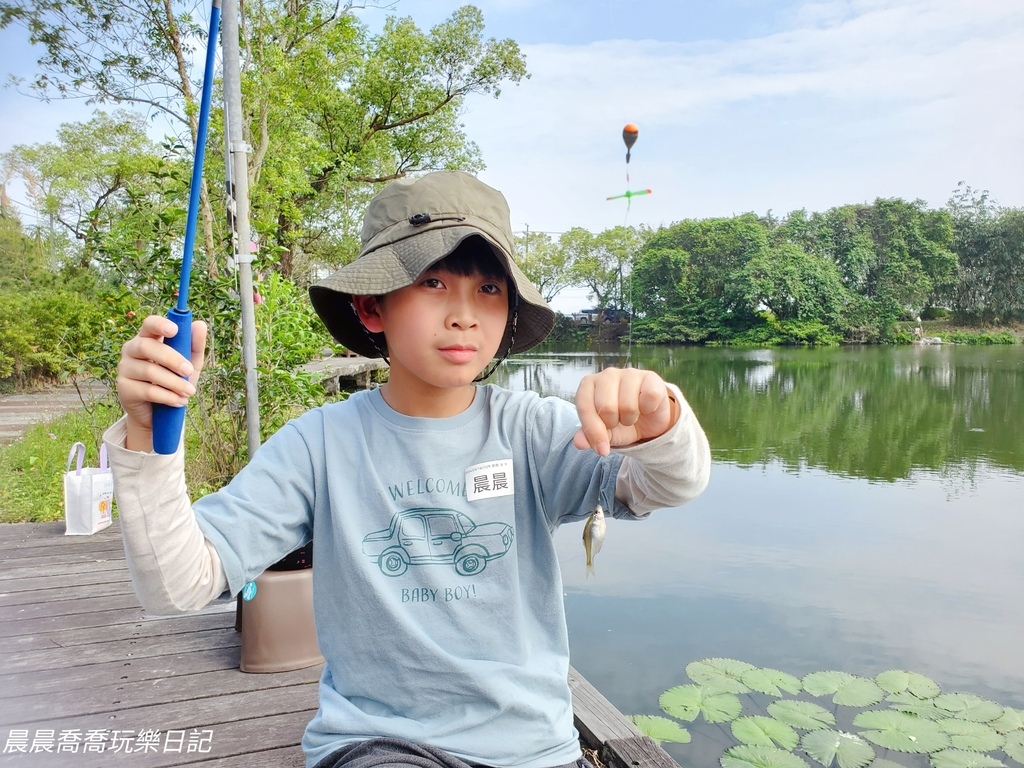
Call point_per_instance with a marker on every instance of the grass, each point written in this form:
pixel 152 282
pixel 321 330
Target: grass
pixel 32 468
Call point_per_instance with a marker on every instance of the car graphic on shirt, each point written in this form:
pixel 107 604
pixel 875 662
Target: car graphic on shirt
pixel 430 536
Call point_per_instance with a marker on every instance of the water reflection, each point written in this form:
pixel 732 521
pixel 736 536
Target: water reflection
pixel 877 413
pixel 865 513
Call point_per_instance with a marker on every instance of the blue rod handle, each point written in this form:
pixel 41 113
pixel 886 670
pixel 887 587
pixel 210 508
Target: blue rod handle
pixel 168 420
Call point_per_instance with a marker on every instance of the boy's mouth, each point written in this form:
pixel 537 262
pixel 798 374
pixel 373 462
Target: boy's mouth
pixel 458 353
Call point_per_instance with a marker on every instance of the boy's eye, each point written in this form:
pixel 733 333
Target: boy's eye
pixel 431 282
pixel 491 288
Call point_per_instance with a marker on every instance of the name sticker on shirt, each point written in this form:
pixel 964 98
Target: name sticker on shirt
pixel 490 479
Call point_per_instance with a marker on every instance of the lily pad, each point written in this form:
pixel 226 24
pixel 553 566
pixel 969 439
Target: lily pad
pixel 912 705
pixel 722 675
pixel 688 701
pixel 962 758
pixel 770 681
pixel 902 732
pixel 848 690
pixel 967 706
pixel 899 681
pixel 661 729
pixel 965 734
pixel 1011 720
pixel 748 756
pixel 766 731
pixel 805 715
pixel 826 746
pixel 1014 746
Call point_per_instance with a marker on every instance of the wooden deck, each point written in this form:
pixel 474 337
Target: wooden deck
pixel 87 678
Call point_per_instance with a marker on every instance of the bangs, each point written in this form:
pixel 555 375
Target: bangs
pixel 473 256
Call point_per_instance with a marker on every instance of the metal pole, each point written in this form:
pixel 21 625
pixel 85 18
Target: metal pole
pixel 239 151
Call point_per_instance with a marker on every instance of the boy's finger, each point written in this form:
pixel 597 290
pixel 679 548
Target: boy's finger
pixel 147 373
pixel 593 433
pixel 629 396
pixel 157 327
pixel 198 348
pixel 652 393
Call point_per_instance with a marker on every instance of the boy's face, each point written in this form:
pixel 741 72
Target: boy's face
pixel 442 330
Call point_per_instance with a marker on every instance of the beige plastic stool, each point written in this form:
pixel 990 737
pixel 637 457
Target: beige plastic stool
pixel 277 624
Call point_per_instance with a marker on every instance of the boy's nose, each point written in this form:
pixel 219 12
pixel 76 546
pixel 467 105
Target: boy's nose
pixel 461 312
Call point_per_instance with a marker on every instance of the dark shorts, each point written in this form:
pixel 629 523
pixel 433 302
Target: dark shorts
pixel 398 753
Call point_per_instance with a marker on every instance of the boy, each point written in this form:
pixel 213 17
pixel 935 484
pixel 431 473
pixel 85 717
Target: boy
pixel 424 485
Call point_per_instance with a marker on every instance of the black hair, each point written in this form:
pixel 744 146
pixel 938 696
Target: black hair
pixel 473 256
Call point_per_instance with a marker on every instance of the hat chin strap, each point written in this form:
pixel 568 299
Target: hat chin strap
pixel 370 336
pixel 511 343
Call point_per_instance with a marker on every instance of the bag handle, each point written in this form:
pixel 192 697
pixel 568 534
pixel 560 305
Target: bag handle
pixel 104 467
pixel 80 449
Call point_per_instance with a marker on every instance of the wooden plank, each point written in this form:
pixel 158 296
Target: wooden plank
pixel 116 696
pixel 64 608
pixel 65 680
pixel 43 548
pixel 119 650
pixel 41 568
pixel 186 715
pixel 261 739
pixel 603 728
pixel 70 638
pixel 54 580
pixel 61 557
pixel 58 595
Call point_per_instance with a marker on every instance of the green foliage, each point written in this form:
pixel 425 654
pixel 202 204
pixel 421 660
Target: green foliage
pixel 38 330
pixel 769 740
pixel 989 241
pixel 981 338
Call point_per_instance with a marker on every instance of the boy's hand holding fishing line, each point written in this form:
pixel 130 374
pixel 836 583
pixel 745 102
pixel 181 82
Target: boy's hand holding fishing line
pixel 151 372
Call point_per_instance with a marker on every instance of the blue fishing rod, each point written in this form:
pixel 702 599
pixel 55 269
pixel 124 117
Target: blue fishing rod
pixel 168 420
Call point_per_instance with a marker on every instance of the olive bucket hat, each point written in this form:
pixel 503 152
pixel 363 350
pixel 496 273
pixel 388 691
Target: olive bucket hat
pixel 412 224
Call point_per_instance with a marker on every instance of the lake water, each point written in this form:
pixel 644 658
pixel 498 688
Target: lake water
pixel 865 513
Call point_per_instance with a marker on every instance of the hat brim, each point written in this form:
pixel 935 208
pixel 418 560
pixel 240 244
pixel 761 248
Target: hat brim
pixel 396 266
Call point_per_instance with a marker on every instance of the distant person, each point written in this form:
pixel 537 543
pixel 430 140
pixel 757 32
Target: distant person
pixel 447 664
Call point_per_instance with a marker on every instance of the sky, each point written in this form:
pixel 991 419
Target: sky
pixel 742 105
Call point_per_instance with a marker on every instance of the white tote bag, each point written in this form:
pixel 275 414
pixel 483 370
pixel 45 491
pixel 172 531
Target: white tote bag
pixel 88 494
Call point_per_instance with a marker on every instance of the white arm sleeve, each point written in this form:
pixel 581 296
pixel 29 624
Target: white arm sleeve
pixel 669 470
pixel 173 567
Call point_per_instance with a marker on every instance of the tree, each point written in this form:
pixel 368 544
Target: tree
pixel 80 182
pixel 795 285
pixel 603 262
pixel 544 262
pixel 23 262
pixel 124 53
pixel 989 242
pixel 332 113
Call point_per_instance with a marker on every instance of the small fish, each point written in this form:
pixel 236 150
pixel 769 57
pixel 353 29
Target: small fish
pixel 593 536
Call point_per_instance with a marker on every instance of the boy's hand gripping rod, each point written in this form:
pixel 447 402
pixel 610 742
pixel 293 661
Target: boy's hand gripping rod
pixel 168 421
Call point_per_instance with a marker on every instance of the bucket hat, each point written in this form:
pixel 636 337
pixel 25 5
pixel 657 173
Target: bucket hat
pixel 412 224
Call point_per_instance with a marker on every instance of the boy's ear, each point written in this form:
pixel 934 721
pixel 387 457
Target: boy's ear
pixel 368 310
